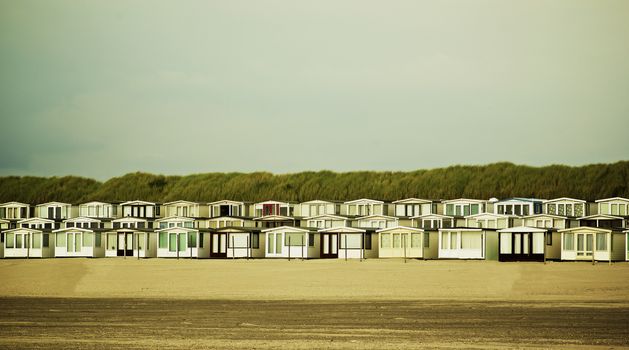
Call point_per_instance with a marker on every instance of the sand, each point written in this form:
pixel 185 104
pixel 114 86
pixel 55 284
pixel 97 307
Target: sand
pixel 322 304
pixel 375 279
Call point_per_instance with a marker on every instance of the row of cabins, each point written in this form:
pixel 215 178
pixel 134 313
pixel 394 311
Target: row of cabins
pixel 507 230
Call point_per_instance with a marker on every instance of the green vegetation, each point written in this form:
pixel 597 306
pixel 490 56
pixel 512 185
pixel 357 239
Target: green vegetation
pixel 499 180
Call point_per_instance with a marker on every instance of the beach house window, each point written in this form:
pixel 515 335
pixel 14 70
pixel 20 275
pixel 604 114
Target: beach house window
pixel 351 241
pixel 163 240
pixel 604 208
pixel 87 239
pixel 614 209
pixel 471 240
pixel 192 239
pixel 568 241
pixel 278 243
pixel 561 209
pixel 97 239
pixel 505 243
pixel 77 242
pixel 61 240
pixel 385 240
pixel 255 240
pixel 622 210
pixel 426 240
pixel 311 240
pixel 293 239
pixel 172 242
pixel 454 240
pixel 269 209
pixel 111 241
pixel 18 241
pixel 517 209
pixel 415 240
pixel 367 239
pixel 270 244
pixel 601 241
pixel 449 209
pixel 9 239
pixel 445 240
pixel 501 209
pixel 474 209
pixel 397 243
pixel 182 241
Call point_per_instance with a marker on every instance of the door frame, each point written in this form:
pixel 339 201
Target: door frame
pixel 222 239
pixel 125 251
pixel 584 251
pixel 331 236
pixel 530 256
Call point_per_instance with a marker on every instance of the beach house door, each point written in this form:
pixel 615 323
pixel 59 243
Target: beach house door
pixel 125 244
pixel 585 242
pixel 329 245
pixel 218 242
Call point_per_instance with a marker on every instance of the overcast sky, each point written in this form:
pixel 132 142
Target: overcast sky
pixel 102 88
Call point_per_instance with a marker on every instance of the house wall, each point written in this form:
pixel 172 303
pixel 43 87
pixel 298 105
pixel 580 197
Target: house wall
pixel 405 222
pixel 25 251
pixel 592 208
pixel 354 251
pixel 315 251
pixel 491 245
pixel 67 211
pixel 616 207
pixel 545 222
pixel 553 251
pixel 619 247
pixel 182 250
pixel 446 251
pixel 306 209
pixel 432 250
pixel 86 250
pixel 297 252
pixel 147 247
pixel 599 255
pixel 399 252
pixel 576 208
pixel 237 246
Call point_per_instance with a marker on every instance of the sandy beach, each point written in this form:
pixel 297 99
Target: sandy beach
pixel 374 279
pixel 327 304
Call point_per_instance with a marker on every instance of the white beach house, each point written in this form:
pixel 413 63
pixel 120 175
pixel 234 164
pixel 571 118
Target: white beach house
pixel 400 242
pixel 291 242
pixel 79 242
pixel 24 242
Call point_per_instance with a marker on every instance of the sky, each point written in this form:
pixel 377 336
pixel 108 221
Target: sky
pixel 103 88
